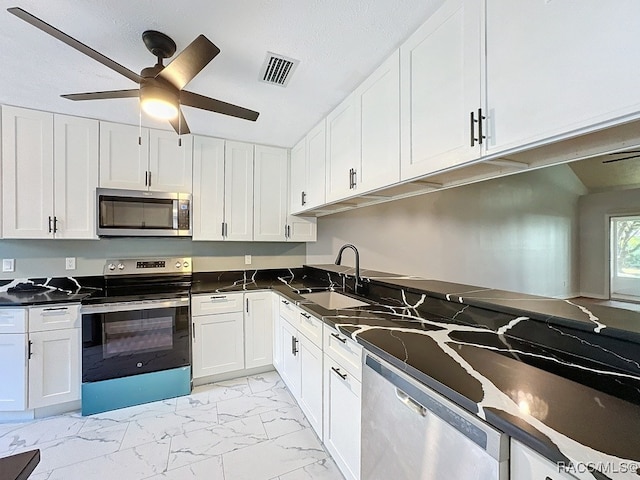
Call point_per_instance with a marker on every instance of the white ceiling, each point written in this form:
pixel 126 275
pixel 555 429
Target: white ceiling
pixel 338 43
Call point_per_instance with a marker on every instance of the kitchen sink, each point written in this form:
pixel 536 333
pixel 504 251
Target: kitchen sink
pixel 334 300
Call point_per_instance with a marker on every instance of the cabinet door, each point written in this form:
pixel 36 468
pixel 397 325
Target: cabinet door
pixel 124 156
pixel 27 173
pixel 54 367
pixel 302 229
pixel 258 329
pixel 316 144
pixel 277 335
pixel 170 161
pixel 238 191
pixel 54 317
pixel 342 407
pixel 76 176
pixel 298 178
pixel 343 150
pixel 13 371
pixel 440 70
pixel 208 188
pixel 217 343
pixel 290 357
pixel 270 194
pixel 581 69
pixel 526 464
pixel 378 106
pixel 311 383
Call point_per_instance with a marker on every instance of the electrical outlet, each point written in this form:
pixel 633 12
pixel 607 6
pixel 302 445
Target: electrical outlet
pixel 70 263
pixel 247 259
pixel 8 264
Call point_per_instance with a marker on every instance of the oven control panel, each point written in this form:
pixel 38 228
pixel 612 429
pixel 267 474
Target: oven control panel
pixel 134 266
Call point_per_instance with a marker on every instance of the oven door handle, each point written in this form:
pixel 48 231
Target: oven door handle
pixel 131 306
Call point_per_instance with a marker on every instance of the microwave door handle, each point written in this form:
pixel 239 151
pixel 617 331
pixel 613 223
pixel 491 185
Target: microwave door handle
pixel 176 204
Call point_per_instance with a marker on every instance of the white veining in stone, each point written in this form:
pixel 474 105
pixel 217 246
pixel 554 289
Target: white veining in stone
pixel 599 326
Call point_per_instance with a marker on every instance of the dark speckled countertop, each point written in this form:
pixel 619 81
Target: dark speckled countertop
pixel 561 377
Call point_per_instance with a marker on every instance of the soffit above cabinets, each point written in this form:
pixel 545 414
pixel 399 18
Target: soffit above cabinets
pixel 338 45
pixel 599 176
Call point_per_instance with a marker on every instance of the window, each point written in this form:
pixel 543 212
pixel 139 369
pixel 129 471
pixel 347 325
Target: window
pixel 625 258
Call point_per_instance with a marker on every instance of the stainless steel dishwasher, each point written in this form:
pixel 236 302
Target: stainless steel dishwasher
pixel 410 432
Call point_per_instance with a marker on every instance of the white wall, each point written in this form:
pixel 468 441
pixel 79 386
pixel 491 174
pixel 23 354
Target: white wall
pixel 595 210
pixel 517 233
pixel 46 258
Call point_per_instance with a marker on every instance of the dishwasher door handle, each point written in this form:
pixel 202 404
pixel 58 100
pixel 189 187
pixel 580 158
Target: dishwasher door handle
pixel 410 403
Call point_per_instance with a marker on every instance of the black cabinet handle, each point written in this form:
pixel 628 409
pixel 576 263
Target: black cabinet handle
pixel 337 371
pixel 304 198
pixel 149 178
pixel 218 297
pixel 55 309
pixel 29 352
pixel 193 330
pixel 288 231
pixel 146 178
pixel 480 119
pixel 55 224
pixel 472 130
pixel 247 303
pixel 343 340
pixel 50 229
pixel 222 231
pixel 305 315
pixel 355 178
pixel 294 346
pixel 285 302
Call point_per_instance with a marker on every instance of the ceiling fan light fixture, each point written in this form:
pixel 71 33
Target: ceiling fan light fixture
pixel 159 102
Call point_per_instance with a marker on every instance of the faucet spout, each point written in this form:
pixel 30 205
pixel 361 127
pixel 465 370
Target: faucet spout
pixel 339 260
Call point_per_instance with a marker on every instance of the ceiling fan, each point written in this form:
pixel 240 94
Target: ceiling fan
pixel 161 87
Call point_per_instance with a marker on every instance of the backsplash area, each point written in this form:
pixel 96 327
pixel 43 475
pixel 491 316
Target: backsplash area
pixel 46 258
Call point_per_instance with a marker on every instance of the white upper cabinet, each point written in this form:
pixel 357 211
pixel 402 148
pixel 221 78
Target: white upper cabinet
pixel 557 68
pixel 307 185
pixel 378 107
pixel 27 173
pixel 49 175
pixel 238 187
pixel 441 86
pixel 343 151
pixel 208 188
pixel 270 199
pixel 124 156
pixel 76 176
pixel 298 177
pixel 143 159
pixel 170 161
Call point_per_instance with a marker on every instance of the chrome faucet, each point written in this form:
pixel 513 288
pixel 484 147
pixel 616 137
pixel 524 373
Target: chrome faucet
pixel 339 259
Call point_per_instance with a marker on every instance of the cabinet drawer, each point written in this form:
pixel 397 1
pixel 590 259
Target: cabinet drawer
pixel 216 303
pixel 13 320
pixel 311 327
pixel 290 312
pixel 54 317
pixel 344 351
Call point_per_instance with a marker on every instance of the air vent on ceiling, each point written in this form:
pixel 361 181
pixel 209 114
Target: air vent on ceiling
pixel 277 69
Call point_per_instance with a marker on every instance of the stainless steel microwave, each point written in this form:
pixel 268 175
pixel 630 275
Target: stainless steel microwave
pixel 133 213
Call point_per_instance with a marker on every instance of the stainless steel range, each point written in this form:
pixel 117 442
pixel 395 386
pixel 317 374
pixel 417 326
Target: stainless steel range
pixel 135 338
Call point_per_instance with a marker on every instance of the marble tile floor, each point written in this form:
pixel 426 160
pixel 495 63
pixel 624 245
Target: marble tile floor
pixel 249 428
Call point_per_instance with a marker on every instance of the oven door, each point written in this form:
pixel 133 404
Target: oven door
pixel 128 338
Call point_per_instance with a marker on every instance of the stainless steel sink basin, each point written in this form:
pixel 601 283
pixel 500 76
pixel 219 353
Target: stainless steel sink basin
pixel 333 300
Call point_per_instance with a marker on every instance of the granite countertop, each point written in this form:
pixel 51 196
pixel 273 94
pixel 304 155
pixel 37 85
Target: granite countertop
pixel 560 376
pixel 41 291
pixel 557 377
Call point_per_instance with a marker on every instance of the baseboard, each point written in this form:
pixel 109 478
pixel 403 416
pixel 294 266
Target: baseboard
pixel 221 377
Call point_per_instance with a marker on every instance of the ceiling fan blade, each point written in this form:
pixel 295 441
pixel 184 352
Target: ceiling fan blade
pixel 72 42
pixel 620 159
pixel 205 103
pixel 179 124
pixel 189 62
pixel 103 95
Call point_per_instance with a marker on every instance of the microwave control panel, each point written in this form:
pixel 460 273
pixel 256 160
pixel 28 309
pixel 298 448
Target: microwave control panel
pixel 184 222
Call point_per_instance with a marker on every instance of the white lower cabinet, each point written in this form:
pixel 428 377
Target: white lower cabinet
pixel 13 371
pixel 291 368
pixel 217 334
pixel 40 363
pixel 526 464
pixel 342 409
pixel 54 367
pixel 258 328
pixel 310 398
